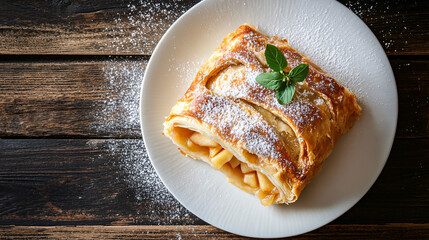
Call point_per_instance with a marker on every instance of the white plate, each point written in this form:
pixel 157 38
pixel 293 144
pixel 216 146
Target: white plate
pixel 336 40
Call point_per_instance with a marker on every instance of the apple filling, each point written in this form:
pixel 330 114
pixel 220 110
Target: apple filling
pixel 238 173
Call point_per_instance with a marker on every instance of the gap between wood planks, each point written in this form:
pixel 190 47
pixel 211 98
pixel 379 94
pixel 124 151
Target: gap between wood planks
pixel 19 58
pixel 16 58
pixel 385 231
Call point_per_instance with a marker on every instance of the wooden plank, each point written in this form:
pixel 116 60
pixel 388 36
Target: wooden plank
pixel 387 231
pixel 117 27
pixel 63 98
pixel 412 80
pixel 399 26
pixel 63 181
pixel 113 27
pixel 99 99
pixel 111 182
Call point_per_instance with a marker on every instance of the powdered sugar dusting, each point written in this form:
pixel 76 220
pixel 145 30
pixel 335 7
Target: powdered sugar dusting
pixel 185 71
pixel 238 124
pixel 241 83
pixel 302 114
pixel 143 24
pixel 383 11
pixel 134 168
pixel 119 112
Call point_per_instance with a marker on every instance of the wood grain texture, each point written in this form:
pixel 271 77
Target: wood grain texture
pixel 92 182
pixel 99 99
pixel 387 231
pixel 85 27
pixel 395 24
pixel 70 98
pixel 413 95
pixel 117 27
pixel 65 181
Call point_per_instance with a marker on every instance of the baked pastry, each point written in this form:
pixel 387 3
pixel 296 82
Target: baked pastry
pixel 237 126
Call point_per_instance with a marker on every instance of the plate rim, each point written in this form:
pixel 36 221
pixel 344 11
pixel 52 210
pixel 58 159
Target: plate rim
pixel 390 141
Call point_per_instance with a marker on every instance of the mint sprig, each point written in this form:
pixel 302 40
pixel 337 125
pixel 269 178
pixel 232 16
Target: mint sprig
pixel 280 81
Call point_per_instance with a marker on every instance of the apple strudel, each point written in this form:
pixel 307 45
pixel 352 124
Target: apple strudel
pixel 237 126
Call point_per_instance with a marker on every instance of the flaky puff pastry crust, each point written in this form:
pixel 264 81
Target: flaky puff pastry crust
pixel 287 143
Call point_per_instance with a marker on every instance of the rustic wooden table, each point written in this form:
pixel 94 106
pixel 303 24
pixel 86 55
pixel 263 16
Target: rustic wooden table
pixel 72 162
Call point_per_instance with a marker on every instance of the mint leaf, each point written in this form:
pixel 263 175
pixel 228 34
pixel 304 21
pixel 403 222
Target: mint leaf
pixel 275 80
pixel 275 58
pixel 299 73
pixel 271 80
pixel 285 93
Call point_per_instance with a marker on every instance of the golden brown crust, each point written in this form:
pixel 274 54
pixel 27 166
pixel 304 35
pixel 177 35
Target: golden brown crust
pixel 225 98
